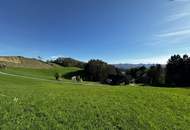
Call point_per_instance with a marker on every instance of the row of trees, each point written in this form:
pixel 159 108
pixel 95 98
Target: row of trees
pixel 176 72
pixel 155 75
pixel 97 70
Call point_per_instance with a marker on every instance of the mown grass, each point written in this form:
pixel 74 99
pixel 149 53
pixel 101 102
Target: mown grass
pixel 34 104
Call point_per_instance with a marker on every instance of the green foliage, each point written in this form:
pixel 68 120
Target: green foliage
pixel 97 70
pixel 35 104
pixel 68 62
pixel 138 74
pixel 156 75
pixel 57 76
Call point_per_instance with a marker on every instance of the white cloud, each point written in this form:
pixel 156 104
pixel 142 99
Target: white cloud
pixel 154 59
pixel 151 60
pixel 175 33
pixel 176 25
pixel 55 57
pixel 178 16
pixel 182 0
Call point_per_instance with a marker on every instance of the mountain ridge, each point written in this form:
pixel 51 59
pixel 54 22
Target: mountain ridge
pixel 130 66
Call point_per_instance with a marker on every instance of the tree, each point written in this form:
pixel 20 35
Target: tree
pixel 156 75
pixel 178 70
pixel 118 79
pixel 139 74
pixel 40 58
pixel 97 70
pixel 57 76
pixel 153 75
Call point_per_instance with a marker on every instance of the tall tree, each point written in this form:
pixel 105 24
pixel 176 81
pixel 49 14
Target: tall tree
pixel 156 75
pixel 178 70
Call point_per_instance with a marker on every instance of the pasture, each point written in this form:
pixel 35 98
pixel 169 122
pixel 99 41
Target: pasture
pixel 35 104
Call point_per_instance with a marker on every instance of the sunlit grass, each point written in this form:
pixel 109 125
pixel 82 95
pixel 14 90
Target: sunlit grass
pixel 33 104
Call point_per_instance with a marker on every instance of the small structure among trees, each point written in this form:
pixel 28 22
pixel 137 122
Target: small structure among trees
pixel 77 78
pixel 175 72
pixel 3 66
pixel 74 78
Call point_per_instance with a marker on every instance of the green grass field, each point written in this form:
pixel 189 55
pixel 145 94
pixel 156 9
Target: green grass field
pixel 41 73
pixel 34 104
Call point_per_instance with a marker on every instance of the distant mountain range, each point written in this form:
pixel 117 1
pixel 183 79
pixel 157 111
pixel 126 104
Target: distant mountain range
pixel 129 66
pixel 19 61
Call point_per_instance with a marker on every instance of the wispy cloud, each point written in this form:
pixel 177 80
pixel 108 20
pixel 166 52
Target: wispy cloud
pixel 176 25
pixel 178 16
pixel 175 33
pixel 181 0
pixel 150 60
pixel 55 57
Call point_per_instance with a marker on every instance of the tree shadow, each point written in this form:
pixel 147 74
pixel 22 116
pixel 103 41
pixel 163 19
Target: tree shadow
pixel 80 73
pixel 167 86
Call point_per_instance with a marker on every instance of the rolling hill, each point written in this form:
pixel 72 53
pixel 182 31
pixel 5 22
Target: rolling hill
pixel 33 103
pixel 19 61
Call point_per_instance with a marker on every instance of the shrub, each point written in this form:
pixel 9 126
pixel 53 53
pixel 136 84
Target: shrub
pixel 57 76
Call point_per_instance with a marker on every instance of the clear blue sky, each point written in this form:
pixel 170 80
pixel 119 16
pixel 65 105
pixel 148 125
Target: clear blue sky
pixel 117 31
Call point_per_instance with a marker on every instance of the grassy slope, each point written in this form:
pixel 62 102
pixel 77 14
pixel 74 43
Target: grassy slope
pixel 41 73
pixel 42 105
pixel 18 61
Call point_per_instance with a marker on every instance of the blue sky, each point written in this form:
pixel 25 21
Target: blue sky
pixel 117 31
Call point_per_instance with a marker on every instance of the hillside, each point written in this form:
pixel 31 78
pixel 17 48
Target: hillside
pixel 40 72
pixel 36 104
pixel 28 102
pixel 18 61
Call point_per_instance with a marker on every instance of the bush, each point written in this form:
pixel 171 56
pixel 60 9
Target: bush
pixel 57 76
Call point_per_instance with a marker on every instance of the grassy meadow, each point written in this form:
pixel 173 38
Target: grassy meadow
pixel 40 73
pixel 35 104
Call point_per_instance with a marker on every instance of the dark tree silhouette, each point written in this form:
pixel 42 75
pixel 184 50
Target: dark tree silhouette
pixel 178 70
pixel 68 62
pixel 97 70
pixel 57 76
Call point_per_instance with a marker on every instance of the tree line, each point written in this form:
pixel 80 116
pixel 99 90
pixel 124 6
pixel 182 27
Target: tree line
pixel 68 62
pixel 175 73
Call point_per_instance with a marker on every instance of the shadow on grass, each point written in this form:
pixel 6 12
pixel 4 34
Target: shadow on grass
pixel 80 73
pixel 167 86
